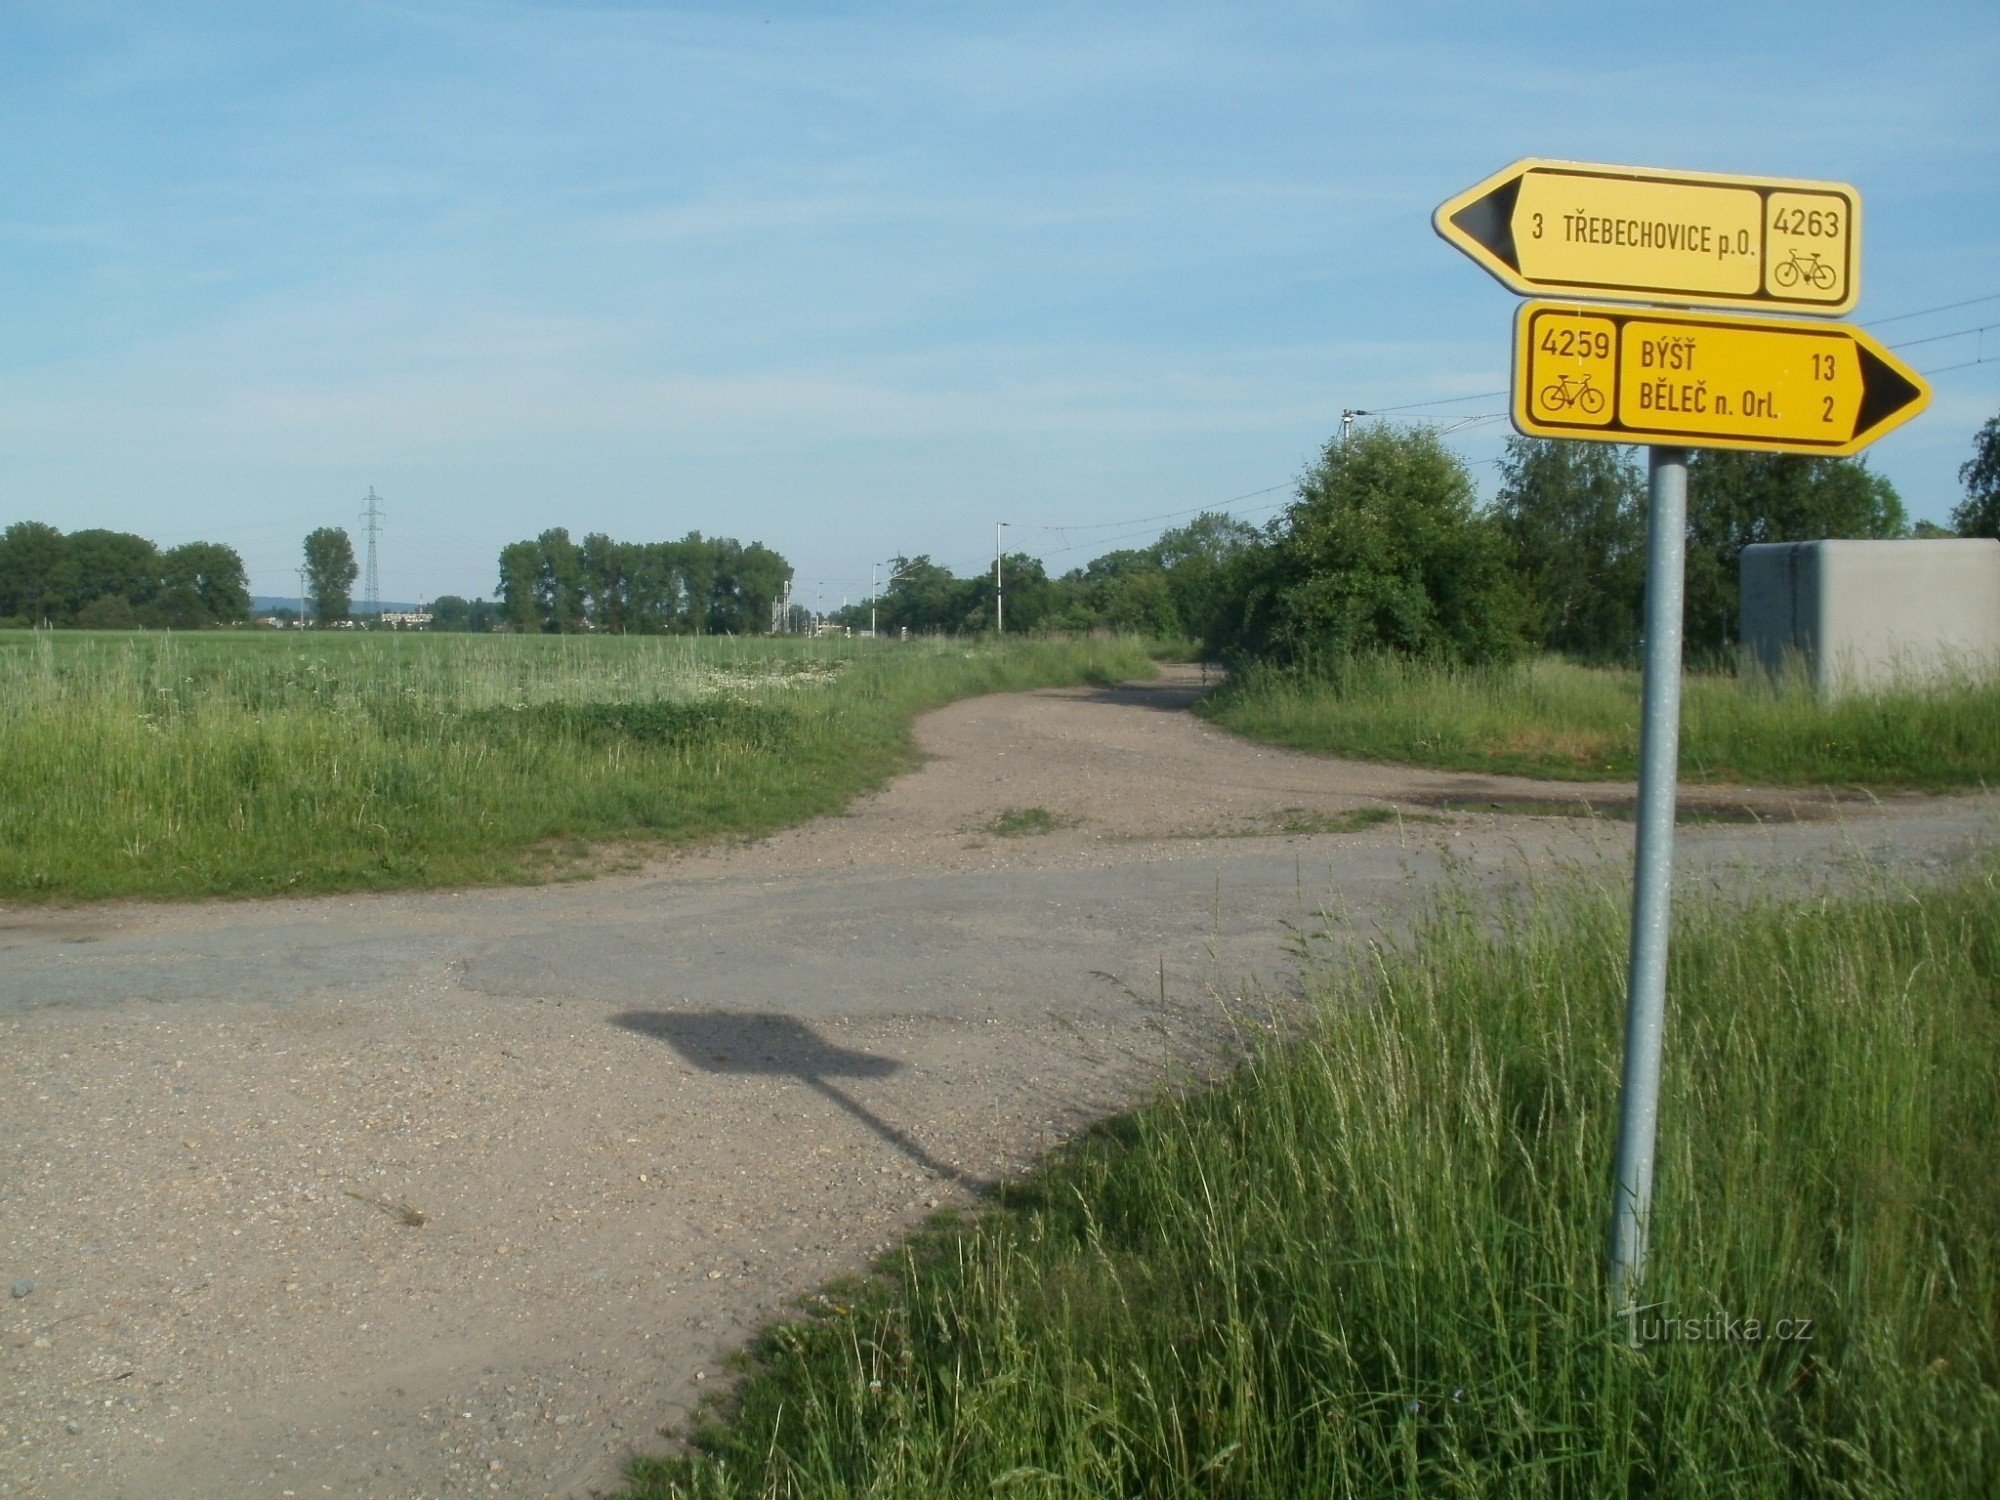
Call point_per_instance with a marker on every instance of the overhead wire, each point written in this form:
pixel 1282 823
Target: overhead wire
pixel 1925 312
pixel 1938 338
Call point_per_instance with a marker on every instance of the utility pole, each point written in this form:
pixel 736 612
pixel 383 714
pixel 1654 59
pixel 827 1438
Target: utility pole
pixel 871 599
pixel 302 598
pixel 1347 424
pixel 372 591
pixel 999 587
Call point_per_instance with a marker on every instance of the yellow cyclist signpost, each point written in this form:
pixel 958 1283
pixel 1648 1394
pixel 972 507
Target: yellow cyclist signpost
pixel 1675 380
pixel 1635 234
pixel 1628 375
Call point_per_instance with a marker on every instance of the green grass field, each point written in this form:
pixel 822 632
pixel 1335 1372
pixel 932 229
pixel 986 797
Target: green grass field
pixel 239 764
pixel 1552 718
pixel 1370 1263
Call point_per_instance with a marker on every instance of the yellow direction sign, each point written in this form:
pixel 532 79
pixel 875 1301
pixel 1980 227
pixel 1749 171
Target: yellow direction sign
pixel 1706 380
pixel 1629 234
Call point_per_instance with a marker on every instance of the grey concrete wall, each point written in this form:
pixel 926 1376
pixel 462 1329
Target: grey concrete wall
pixel 1861 615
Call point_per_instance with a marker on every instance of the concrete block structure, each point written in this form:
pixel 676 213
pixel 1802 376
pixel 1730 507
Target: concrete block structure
pixel 1856 616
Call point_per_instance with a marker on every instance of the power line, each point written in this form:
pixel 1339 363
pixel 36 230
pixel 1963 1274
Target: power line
pixel 1925 312
pixel 1171 515
pixel 1383 411
pixel 1938 338
pixel 1984 359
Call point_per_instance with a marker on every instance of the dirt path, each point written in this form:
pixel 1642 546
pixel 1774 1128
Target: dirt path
pixel 635 1117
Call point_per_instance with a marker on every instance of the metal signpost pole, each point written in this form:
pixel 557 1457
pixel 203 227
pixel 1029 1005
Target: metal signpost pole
pixel 1652 884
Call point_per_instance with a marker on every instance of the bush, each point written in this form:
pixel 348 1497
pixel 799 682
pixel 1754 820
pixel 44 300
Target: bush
pixel 1384 550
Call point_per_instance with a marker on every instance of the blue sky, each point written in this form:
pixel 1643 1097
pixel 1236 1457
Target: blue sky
pixel 861 279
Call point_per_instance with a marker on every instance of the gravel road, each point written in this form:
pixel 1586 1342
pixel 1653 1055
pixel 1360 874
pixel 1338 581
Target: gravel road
pixel 471 1192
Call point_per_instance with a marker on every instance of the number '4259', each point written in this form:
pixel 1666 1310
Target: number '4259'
pixel 1576 343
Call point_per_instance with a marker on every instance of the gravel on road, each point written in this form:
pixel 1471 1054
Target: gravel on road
pixel 470 1193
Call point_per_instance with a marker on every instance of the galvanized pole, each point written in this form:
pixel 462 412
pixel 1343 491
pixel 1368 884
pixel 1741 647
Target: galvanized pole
pixel 999 589
pixel 1646 988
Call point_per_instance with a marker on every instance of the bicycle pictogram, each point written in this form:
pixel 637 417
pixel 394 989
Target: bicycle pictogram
pixel 1573 390
pixel 1807 267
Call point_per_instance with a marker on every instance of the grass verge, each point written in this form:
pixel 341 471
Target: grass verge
pixel 1553 718
pixel 1370 1262
pixel 236 764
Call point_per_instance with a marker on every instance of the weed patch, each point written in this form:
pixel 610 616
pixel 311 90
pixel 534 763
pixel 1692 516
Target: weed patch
pixel 1018 822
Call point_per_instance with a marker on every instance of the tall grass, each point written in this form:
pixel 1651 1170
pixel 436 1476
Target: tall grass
pixel 164 765
pixel 1548 717
pixel 1371 1262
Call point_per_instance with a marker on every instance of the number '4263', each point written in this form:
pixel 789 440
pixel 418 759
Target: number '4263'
pixel 1821 222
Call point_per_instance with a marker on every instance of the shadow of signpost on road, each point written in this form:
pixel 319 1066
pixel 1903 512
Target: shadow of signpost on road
pixel 785 1047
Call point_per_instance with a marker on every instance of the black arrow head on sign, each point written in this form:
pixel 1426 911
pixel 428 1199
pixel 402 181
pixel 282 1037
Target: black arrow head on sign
pixel 1490 221
pixel 1885 390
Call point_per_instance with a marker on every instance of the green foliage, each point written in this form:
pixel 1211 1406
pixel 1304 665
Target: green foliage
pixel 559 582
pixel 1199 560
pixel 922 597
pixel 696 586
pixel 1371 1262
pixel 112 580
pixel 172 765
pixel 330 574
pixel 1384 549
pixel 451 612
pixel 37 573
pixel 1575 514
pixel 1735 499
pixel 1552 718
pixel 1978 514
pixel 112 564
pixel 520 569
pixel 202 583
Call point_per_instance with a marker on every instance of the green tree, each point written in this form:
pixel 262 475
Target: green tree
pixel 1735 499
pixel 1385 549
pixel 923 597
pixel 112 565
pixel 203 583
pixel 37 573
pixel 330 573
pixel 559 589
pixel 1198 560
pixel 1575 514
pixel 1978 514
pixel 759 578
pixel 1030 597
pixel 605 566
pixel 520 571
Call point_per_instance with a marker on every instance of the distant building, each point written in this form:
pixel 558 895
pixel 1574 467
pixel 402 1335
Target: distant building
pixel 406 619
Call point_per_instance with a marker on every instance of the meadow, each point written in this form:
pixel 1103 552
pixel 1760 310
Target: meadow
pixel 1554 718
pixel 212 764
pixel 1370 1263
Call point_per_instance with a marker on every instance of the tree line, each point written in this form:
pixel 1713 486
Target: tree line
pixel 112 580
pixel 696 586
pixel 1387 547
